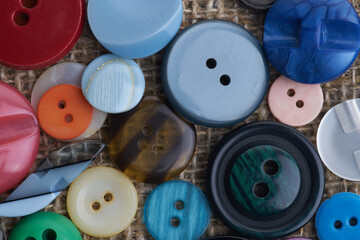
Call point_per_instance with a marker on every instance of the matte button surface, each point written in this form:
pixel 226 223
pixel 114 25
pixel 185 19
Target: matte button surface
pixel 18 128
pixel 294 103
pixel 338 137
pixel 102 202
pixel 65 113
pixel 46 226
pixel 177 210
pixel 37 33
pixel 210 68
pixel 118 27
pixel 265 180
pixel 312 41
pixel 338 218
pixel 258 4
pixel 150 143
pixel 113 84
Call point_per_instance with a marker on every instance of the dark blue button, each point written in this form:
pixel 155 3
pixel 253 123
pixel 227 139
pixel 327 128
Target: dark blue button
pixel 339 218
pixel 312 41
pixel 215 73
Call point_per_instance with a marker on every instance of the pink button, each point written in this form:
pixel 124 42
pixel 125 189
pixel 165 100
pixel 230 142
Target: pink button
pixel 294 103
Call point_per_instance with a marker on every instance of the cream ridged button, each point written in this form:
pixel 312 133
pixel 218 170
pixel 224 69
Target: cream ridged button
pixel 102 202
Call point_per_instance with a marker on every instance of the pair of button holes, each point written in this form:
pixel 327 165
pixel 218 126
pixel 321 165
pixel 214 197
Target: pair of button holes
pixel 175 221
pixel 68 118
pixel 353 222
pixel 108 197
pixel 21 18
pixel 224 79
pixel 291 92
pixel 262 189
pixel 48 234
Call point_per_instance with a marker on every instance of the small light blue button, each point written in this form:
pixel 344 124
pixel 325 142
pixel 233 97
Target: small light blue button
pixel 135 28
pixel 113 84
pixel 339 217
pixel 215 73
pixel 177 210
pixel 312 41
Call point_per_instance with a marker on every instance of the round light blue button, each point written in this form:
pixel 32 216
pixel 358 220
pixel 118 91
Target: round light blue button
pixel 112 84
pixel 136 28
pixel 312 41
pixel 177 210
pixel 339 217
pixel 215 73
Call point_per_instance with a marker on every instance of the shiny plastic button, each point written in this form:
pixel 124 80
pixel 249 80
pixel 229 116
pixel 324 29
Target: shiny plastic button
pixel 113 84
pixel 177 210
pixel 118 27
pixel 258 4
pixel 63 111
pixel 45 226
pixel 338 218
pixel 265 180
pixel 37 33
pixel 294 103
pixel 226 63
pixel 102 202
pixel 19 137
pixel 338 137
pixel 150 143
pixel 312 41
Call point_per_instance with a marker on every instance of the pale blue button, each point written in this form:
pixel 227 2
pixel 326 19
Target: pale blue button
pixel 113 84
pixel 215 73
pixel 135 28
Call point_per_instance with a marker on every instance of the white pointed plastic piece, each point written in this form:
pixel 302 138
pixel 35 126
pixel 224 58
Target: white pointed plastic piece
pixel 66 73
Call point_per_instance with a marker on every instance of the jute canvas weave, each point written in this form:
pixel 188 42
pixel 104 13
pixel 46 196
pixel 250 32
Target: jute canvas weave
pixel 87 49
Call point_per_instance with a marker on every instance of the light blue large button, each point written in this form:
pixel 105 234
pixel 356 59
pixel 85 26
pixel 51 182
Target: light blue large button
pixel 215 73
pixel 113 84
pixel 135 28
pixel 177 210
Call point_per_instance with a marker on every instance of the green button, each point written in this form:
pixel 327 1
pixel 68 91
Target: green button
pixel 45 226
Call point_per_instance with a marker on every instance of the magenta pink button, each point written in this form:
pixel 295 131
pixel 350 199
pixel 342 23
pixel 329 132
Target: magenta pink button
pixel 295 103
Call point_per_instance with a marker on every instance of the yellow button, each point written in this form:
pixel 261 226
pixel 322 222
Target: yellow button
pixel 102 202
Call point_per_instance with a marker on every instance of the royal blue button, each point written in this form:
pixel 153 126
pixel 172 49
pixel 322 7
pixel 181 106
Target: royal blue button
pixel 177 210
pixel 135 29
pixel 339 218
pixel 113 84
pixel 215 73
pixel 312 41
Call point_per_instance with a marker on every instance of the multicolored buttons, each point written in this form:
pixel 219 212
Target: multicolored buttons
pixel 337 139
pixel 258 4
pixel 312 41
pixel 45 226
pixel 118 27
pixel 338 218
pixel 102 202
pixel 294 103
pixel 35 33
pixel 265 180
pixel 177 210
pixel 63 111
pixel 226 62
pixel 18 128
pixel 150 143
pixel 113 84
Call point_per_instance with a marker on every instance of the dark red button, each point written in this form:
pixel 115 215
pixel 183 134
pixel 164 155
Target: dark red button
pixel 37 33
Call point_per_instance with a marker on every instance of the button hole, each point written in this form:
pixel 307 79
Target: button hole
pixel 353 221
pixel 179 205
pixel 270 167
pixel 225 80
pixel 175 222
pixel 261 190
pixel 142 144
pixel 96 206
pixel 21 18
pixel 108 197
pixel 147 130
pixel 29 3
pixel 49 234
pixel 156 148
pixel 69 118
pixel 291 92
pixel 30 238
pixel 211 63
pixel 61 104
pixel 300 104
pixel 338 224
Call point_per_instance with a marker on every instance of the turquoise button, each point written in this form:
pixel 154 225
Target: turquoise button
pixel 113 84
pixel 135 29
pixel 215 73
pixel 177 210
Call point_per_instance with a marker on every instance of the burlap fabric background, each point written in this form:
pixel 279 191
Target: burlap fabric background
pixel 87 49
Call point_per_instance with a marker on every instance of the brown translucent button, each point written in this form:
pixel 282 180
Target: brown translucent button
pixel 150 143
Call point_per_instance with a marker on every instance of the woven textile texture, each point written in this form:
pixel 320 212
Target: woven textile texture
pixel 87 49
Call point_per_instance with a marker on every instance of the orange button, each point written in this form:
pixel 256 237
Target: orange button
pixel 64 113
